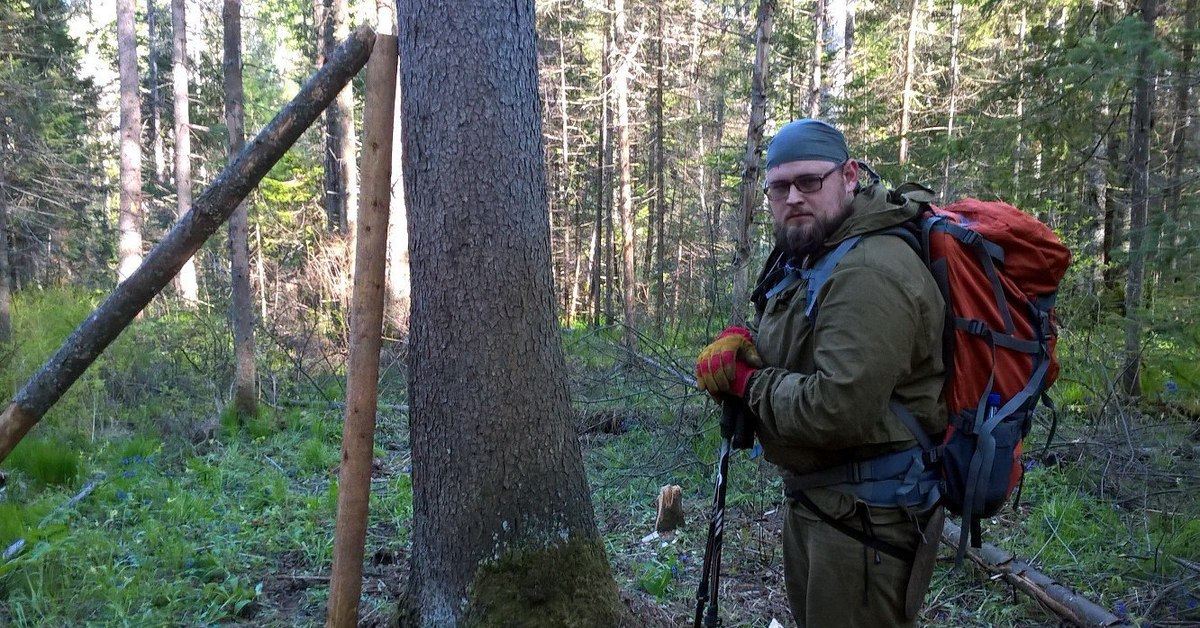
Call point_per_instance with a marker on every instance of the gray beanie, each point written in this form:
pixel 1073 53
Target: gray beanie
pixel 807 140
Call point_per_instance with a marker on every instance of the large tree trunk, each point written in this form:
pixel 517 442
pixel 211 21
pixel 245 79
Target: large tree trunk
pixel 910 71
pixel 503 527
pixel 129 216
pixel 241 311
pixel 210 211
pixel 366 327
pixel 1139 199
pixel 188 288
pixel 626 51
pixel 751 194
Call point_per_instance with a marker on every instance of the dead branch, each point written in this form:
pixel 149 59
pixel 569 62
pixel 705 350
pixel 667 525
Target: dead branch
pixel 1050 594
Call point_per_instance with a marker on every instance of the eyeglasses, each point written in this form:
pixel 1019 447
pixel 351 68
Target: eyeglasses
pixel 806 183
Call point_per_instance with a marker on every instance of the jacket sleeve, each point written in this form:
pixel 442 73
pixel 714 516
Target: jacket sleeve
pixel 866 326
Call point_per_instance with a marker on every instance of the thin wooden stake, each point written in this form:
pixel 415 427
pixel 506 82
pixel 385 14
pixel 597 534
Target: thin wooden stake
pixel 209 212
pixel 366 329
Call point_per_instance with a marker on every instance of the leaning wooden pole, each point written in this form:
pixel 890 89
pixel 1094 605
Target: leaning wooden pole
pixel 1063 602
pixel 208 213
pixel 366 327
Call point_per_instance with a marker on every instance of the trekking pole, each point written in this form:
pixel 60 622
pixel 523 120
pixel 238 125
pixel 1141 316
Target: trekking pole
pixel 734 435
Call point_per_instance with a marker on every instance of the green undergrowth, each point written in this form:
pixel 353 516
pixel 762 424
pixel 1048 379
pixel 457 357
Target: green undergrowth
pixel 238 529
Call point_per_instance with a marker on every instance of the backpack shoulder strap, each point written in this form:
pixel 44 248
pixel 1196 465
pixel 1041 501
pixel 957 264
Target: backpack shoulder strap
pixel 820 272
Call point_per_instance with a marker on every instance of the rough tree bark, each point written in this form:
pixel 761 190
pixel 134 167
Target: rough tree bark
pixel 503 526
pixel 1139 201
pixel 751 194
pixel 211 210
pixel 241 310
pixel 129 216
pixel 366 327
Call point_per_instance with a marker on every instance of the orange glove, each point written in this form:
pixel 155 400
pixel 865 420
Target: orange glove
pixel 725 366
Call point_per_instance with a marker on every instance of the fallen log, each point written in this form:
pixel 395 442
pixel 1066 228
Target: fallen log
pixel 1050 594
pixel 213 207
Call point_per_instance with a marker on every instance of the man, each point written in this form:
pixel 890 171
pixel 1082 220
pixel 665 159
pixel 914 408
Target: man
pixel 826 377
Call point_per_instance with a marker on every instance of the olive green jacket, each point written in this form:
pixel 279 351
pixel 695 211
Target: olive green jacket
pixel 822 399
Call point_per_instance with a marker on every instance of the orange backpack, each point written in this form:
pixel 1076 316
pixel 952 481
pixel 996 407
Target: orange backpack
pixel 999 270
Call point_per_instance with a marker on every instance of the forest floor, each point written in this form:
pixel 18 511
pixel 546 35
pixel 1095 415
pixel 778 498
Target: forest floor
pixel 237 528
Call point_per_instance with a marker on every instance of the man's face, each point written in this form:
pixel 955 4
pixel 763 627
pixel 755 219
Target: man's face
pixel 804 220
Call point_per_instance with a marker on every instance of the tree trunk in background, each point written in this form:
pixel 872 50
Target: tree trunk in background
pixel 751 195
pixel 1180 133
pixel 625 51
pixel 341 173
pixel 657 265
pixel 837 23
pixel 129 216
pixel 155 104
pixel 1019 146
pixel 910 70
pixel 815 86
pixel 241 310
pixel 503 525
pixel 5 273
pixel 186 281
pixel 1139 200
pixel 955 32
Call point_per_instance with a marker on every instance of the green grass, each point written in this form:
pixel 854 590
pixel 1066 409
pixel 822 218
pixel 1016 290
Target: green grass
pixel 45 462
pixel 176 537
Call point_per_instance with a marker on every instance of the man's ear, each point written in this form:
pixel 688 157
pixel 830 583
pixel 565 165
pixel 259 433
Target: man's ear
pixel 851 171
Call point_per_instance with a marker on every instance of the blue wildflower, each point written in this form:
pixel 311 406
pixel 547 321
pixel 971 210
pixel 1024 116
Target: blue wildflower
pixel 126 460
pixel 1121 609
pixel 1031 464
pixel 122 495
pixel 1192 603
pixel 128 474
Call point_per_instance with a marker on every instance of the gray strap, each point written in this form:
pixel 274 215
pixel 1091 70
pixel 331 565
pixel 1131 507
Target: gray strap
pixel 819 273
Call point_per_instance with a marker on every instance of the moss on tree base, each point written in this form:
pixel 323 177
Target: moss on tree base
pixel 568 584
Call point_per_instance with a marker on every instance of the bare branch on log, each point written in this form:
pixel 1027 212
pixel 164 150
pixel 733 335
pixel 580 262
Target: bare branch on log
pixel 210 211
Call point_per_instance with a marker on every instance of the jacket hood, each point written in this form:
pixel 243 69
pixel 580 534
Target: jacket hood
pixel 874 208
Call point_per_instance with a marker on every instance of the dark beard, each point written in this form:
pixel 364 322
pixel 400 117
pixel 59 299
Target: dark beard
pixel 800 241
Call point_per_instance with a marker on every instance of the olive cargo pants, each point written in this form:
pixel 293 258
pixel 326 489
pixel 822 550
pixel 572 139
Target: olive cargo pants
pixel 834 581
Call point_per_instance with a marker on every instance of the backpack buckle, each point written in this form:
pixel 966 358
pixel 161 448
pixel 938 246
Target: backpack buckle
pixel 976 327
pixel 932 457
